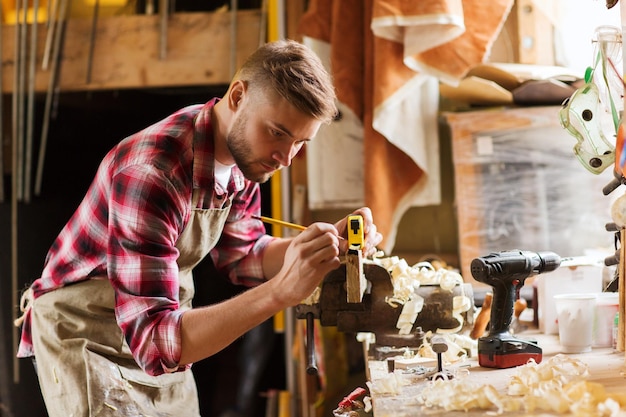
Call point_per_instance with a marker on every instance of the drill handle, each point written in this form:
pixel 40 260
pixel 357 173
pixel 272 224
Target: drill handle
pixel 502 306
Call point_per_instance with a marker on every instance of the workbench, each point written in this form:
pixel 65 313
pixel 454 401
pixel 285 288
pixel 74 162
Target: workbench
pixel 606 366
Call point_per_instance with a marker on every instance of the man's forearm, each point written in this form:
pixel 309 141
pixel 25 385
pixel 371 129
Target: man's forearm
pixel 207 330
pixel 274 255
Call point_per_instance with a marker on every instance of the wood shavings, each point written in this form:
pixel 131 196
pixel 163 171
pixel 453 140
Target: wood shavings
pixel 409 313
pixel 456 348
pixel 557 385
pixel 422 273
pixel 559 370
pixel 407 280
pixel 313 298
pixel 388 385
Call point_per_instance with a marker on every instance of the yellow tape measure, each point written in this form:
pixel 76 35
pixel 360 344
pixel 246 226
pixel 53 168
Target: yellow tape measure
pixel 355 232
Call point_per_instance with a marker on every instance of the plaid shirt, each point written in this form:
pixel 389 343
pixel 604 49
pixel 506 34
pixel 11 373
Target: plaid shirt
pixel 127 226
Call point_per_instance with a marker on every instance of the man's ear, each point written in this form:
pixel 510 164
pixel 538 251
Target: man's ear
pixel 237 92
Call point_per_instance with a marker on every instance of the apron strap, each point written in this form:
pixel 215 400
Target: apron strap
pixel 26 301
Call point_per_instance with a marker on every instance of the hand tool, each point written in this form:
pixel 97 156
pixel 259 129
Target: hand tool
pixel 506 272
pixel 482 319
pixel 439 346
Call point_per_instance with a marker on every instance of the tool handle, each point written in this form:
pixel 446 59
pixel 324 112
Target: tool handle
pixel 482 319
pixel 614 183
pixel 311 367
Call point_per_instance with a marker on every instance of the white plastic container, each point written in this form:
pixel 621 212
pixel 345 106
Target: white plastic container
pixel 575 314
pixel 607 305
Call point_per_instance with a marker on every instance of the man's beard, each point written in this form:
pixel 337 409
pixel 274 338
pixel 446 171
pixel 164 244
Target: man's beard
pixel 241 152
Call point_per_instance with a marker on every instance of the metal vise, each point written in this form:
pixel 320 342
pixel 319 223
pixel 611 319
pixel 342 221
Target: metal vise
pixel 373 314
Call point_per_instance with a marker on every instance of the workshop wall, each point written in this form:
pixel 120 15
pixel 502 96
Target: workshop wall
pixel 429 231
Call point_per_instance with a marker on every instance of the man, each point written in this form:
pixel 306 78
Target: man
pixel 109 321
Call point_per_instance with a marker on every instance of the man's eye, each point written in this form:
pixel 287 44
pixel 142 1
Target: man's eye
pixel 276 133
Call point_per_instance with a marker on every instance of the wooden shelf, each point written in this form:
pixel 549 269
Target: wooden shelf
pixel 127 51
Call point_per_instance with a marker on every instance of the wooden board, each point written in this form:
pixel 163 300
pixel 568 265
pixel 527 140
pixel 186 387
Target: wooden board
pixel 605 366
pixel 126 51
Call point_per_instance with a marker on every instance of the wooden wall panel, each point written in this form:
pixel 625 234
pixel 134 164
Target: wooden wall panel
pixel 126 52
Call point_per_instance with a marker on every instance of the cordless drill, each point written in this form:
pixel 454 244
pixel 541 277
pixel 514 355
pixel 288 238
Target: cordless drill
pixel 506 272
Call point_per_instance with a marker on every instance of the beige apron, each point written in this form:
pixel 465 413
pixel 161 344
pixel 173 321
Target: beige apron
pixel 84 365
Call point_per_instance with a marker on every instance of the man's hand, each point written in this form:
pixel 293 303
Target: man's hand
pixel 309 258
pixel 371 235
pixel 311 255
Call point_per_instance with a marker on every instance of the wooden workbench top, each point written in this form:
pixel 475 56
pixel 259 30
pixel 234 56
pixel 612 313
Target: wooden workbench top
pixel 605 365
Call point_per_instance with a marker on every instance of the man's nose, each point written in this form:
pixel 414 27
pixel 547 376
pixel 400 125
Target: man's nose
pixel 284 156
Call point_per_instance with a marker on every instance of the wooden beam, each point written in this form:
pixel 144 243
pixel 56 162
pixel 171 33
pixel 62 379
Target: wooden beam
pixel 126 53
pixel 534 35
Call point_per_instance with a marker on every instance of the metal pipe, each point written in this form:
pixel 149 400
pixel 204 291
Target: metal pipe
pixel 263 23
pixel 21 34
pixel 53 15
pixel 290 366
pixel 233 36
pixel 16 113
pixel 1 118
pixel 14 213
pixel 22 98
pixel 92 39
pixel 52 84
pixel 30 111
pixel 164 14
pixel 310 344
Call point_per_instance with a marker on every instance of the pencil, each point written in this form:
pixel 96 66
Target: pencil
pixel 279 222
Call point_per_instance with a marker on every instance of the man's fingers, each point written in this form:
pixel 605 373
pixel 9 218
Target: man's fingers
pixel 319 242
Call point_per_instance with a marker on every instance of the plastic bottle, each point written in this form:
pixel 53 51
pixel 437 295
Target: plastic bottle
pixel 615 328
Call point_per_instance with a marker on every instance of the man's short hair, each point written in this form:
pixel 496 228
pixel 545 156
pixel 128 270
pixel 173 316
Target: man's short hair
pixel 296 73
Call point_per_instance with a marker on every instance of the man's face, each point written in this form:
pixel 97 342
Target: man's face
pixel 265 136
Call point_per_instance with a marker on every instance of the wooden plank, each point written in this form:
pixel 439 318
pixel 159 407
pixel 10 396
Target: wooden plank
pixel 535 44
pixel 126 51
pixel 468 181
pixel 355 279
pixel 294 11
